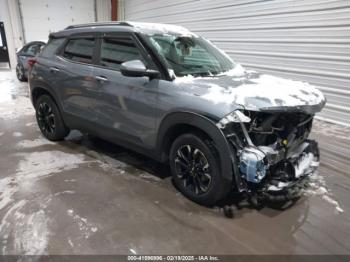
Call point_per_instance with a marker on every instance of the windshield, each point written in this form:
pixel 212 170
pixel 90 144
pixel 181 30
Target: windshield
pixel 190 55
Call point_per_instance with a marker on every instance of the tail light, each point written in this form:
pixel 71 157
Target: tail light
pixel 31 62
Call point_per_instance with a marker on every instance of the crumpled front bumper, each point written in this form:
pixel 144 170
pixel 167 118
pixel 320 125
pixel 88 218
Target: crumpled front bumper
pixel 301 165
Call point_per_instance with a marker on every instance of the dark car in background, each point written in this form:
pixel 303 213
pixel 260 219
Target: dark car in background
pixel 28 51
pixel 172 95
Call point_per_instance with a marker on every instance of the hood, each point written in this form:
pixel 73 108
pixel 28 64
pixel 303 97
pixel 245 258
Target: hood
pixel 256 92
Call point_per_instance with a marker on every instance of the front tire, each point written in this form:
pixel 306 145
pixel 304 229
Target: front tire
pixel 49 119
pixel 194 164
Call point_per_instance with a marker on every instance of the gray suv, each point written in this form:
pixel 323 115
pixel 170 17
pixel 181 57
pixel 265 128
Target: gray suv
pixel 167 93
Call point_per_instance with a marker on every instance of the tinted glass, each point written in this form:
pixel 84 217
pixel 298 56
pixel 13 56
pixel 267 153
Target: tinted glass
pixel 52 46
pixel 115 51
pixel 190 55
pixel 80 50
pixel 32 50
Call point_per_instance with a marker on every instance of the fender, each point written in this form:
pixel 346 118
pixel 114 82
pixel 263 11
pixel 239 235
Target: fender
pixel 206 125
pixel 35 84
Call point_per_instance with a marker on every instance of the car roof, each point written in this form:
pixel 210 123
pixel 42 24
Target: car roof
pixel 36 42
pixel 32 43
pixel 122 26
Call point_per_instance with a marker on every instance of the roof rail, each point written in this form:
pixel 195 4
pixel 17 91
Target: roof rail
pixel 98 24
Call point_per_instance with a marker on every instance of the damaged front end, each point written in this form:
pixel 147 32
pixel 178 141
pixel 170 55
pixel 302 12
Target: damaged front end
pixel 273 154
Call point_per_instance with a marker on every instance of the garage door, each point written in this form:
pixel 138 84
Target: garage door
pixel 41 17
pixel 302 40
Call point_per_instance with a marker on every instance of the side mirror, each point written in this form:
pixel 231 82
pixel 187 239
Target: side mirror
pixel 135 68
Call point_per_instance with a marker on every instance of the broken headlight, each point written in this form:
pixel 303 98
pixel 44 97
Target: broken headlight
pixel 252 164
pixel 236 116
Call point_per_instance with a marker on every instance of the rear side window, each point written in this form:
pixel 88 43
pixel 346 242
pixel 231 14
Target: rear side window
pixel 51 48
pixel 32 50
pixel 80 50
pixel 115 51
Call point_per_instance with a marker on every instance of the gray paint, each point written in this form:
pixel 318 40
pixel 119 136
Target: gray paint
pixel 133 108
pixel 301 40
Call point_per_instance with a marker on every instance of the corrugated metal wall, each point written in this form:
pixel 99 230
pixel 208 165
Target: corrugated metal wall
pixel 305 40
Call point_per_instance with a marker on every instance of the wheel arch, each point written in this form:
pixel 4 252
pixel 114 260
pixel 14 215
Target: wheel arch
pixel 179 123
pixel 38 91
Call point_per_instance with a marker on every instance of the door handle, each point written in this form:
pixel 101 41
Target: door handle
pixel 54 69
pixel 101 78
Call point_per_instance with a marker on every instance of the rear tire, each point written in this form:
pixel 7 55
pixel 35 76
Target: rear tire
pixel 49 119
pixel 20 73
pixel 195 167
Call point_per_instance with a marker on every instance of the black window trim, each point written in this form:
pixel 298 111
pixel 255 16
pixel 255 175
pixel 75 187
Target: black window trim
pixel 60 51
pixel 98 36
pixel 25 48
pixel 155 57
pixel 126 35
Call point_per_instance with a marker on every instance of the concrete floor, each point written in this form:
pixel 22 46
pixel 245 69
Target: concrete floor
pixel 85 196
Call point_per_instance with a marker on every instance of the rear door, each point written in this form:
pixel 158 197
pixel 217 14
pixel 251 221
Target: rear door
pixel 74 81
pixel 127 105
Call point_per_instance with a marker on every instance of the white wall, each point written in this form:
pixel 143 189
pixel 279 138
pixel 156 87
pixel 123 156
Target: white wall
pixel 9 14
pixel 40 17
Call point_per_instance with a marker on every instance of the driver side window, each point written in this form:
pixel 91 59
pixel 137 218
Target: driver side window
pixel 117 50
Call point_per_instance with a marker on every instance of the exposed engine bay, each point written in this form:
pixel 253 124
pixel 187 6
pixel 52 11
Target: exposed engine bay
pixel 273 152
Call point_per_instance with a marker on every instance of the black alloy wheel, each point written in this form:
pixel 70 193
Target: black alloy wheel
pixel 20 73
pixel 193 168
pixel 49 119
pixel 46 118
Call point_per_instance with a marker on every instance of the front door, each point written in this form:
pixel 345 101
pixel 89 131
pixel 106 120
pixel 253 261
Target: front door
pixel 4 54
pixel 127 104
